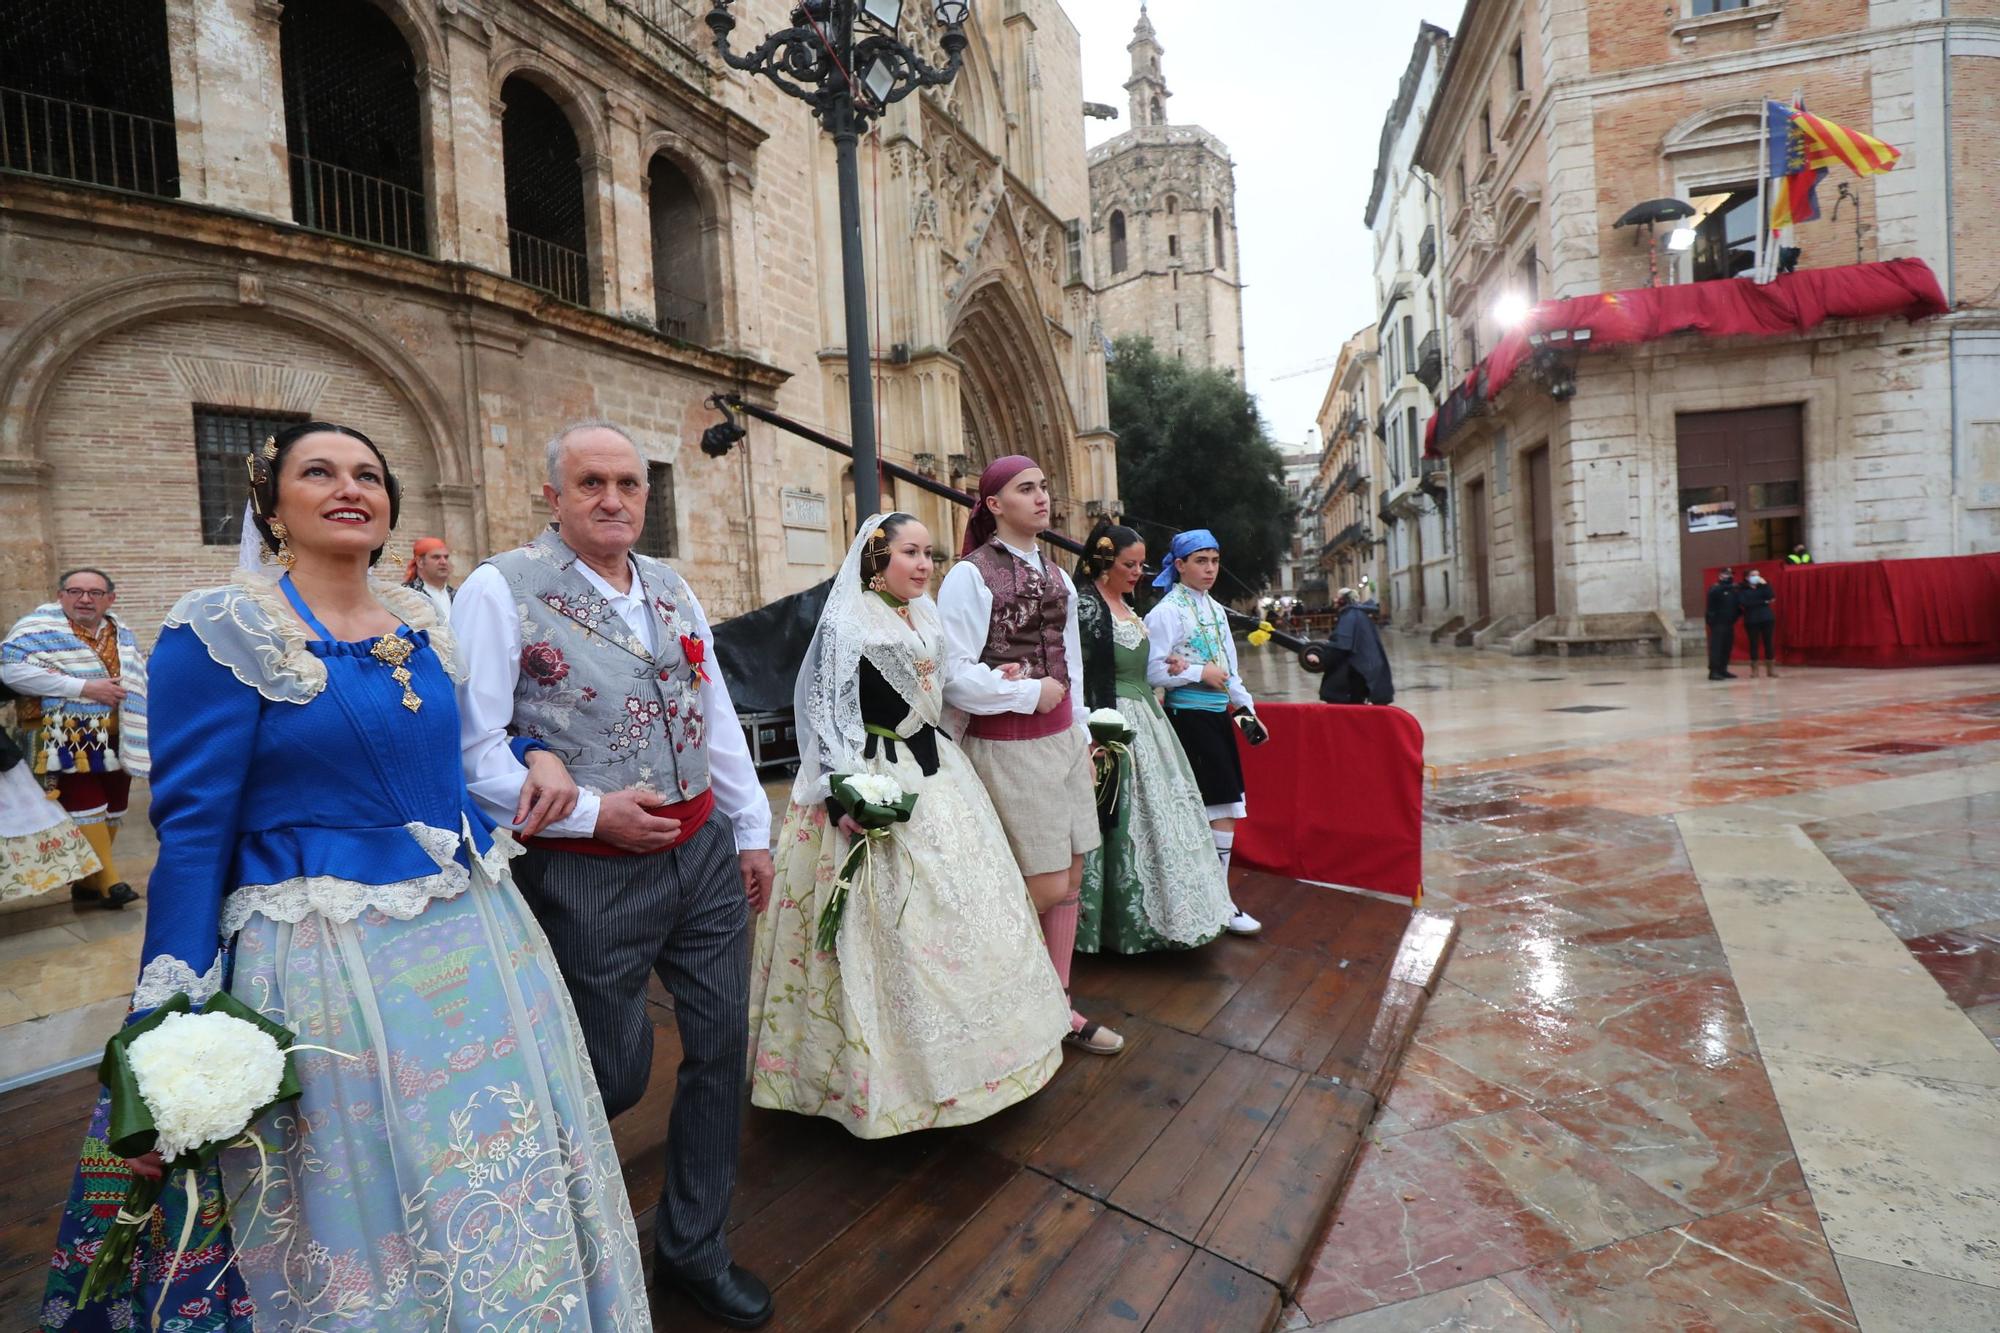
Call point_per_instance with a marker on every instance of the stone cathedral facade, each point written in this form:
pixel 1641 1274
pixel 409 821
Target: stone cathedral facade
pixel 458 224
pixel 1163 226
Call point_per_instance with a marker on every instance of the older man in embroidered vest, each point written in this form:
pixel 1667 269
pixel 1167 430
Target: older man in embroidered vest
pixel 83 668
pixel 576 644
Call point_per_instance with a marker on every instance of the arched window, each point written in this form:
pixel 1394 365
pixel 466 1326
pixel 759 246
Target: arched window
pixel 1117 242
pixel 86 94
pixel 680 274
pixel 1173 205
pixel 1221 246
pixel 353 124
pixel 546 236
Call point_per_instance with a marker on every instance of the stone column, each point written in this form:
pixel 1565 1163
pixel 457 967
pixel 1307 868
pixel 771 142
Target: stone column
pixel 229 105
pixel 466 157
pixel 628 253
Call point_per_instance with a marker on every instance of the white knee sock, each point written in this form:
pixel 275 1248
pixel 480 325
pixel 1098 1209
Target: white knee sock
pixel 1224 843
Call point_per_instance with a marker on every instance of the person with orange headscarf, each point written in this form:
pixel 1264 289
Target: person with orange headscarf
pixel 429 567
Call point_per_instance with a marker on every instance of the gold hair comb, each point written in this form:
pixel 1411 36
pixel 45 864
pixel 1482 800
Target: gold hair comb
pixel 270 449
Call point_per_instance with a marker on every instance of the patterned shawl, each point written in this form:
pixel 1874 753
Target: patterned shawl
pixel 76 733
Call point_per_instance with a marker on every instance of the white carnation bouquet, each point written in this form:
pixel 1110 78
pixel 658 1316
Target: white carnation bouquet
pixel 186 1085
pixel 877 802
pixel 1112 733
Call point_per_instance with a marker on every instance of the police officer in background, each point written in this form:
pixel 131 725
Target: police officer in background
pixel 1799 556
pixel 1724 610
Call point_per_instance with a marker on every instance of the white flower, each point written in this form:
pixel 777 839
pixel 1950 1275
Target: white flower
pixel 1108 717
pixel 203 1076
pixel 875 789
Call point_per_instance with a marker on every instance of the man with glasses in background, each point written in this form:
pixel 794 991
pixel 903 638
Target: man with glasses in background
pixel 83 683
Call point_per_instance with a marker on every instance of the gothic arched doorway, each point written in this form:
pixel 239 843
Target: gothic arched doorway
pixel 1011 397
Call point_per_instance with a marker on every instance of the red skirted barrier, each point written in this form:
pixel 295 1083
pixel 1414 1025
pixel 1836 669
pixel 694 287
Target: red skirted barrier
pixel 1336 796
pixel 1884 613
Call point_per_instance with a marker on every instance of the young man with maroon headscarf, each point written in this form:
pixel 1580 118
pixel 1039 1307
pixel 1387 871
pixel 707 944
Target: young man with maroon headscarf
pixel 1016 666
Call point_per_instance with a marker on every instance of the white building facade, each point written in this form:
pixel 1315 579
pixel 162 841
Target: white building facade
pixel 1405 215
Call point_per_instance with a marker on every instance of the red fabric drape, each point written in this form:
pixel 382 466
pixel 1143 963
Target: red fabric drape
pixel 1789 303
pixel 1336 797
pixel 1885 613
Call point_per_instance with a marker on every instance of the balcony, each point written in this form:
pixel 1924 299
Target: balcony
pixel 1430 361
pixel 1354 534
pixel 94 145
pixel 556 269
pixel 1427 250
pixel 362 208
pixel 680 316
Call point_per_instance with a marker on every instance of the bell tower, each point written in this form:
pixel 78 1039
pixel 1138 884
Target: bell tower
pixel 1147 86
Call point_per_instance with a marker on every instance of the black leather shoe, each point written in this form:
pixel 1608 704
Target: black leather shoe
pixel 119 894
pixel 735 1296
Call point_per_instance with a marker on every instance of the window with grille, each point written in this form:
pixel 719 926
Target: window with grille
pixel 546 232
pixel 223 438
pixel 659 540
pixel 86 94
pixel 353 124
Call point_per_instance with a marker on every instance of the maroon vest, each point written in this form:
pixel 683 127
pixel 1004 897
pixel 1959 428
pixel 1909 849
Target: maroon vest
pixel 1030 608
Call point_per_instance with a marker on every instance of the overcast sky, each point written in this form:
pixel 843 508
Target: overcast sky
pixel 1299 95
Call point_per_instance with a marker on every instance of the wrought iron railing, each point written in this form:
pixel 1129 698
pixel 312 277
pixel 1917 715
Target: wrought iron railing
pixel 1348 478
pixel 1352 535
pixel 1430 361
pixel 555 269
pixel 363 208
pixel 680 316
pixel 676 18
pixel 74 141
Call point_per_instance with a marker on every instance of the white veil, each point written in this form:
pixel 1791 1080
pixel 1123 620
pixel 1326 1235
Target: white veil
pixel 826 701
pixel 251 555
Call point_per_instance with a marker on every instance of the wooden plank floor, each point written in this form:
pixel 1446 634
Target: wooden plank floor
pixel 1179 1187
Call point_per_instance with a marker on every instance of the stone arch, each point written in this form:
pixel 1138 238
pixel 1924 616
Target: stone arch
pixel 977 88
pixel 36 362
pixel 1011 389
pixel 571 91
pixel 1706 128
pixel 416 23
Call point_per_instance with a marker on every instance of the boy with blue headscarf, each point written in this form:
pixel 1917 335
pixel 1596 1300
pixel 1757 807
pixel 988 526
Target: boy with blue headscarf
pixel 1205 695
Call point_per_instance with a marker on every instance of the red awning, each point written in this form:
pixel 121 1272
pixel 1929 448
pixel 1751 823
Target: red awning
pixel 1735 307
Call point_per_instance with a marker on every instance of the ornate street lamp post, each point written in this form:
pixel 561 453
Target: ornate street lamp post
pixel 842 58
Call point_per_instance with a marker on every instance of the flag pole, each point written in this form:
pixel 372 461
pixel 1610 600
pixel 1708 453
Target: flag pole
pixel 1763 202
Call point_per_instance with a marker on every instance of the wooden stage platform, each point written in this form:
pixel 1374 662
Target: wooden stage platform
pixel 1179 1187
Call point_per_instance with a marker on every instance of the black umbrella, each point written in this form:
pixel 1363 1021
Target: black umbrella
pixel 1655 210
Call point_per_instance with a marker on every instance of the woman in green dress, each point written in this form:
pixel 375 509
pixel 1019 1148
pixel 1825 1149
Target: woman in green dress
pixel 1155 883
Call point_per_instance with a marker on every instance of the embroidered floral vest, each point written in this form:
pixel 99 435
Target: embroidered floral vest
pixel 618 715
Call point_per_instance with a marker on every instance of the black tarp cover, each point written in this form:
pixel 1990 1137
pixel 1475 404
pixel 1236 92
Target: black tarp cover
pixel 760 651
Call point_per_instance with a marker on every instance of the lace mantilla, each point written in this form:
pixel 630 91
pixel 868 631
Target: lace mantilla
pixel 338 899
pixel 167 976
pixel 248 627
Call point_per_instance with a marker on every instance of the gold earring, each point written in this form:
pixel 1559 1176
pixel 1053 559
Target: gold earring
pixel 283 534
pixel 879 583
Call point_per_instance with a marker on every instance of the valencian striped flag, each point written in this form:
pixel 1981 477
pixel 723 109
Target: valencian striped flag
pixel 1794 180
pixel 1802 147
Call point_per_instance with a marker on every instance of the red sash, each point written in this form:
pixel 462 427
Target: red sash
pixel 692 814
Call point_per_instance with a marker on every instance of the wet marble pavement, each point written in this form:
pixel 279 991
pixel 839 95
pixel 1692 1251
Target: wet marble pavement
pixel 1719 1046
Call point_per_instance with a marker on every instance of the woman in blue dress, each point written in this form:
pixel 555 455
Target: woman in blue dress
pixel 449 1164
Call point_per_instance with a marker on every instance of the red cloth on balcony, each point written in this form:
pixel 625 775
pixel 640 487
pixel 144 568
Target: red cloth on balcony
pixel 1885 613
pixel 1726 308
pixel 1336 796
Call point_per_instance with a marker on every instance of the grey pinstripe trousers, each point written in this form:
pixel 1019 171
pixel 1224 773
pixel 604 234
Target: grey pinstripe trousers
pixel 680 913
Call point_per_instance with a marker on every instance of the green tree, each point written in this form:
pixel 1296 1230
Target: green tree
pixel 1192 453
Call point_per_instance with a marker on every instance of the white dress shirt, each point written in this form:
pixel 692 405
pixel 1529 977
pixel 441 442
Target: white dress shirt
pixel 1169 627
pixel 440 598
pixel 38 682
pixel 965 607
pixel 487 625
